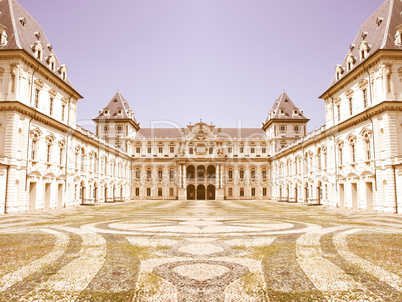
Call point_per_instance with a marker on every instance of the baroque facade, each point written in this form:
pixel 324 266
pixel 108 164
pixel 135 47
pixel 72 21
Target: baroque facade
pixel 353 161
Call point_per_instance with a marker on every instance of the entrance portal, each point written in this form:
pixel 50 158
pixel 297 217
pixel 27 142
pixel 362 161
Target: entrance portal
pixel 201 192
pixel 211 192
pixel 191 192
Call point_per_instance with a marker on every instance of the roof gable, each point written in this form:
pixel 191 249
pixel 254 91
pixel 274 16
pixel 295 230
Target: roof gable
pixel 24 31
pixel 283 109
pixel 377 33
pixel 117 103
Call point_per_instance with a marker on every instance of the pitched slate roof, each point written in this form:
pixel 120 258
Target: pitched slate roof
pixel 118 102
pixel 379 33
pixel 284 102
pixel 174 133
pixel 23 31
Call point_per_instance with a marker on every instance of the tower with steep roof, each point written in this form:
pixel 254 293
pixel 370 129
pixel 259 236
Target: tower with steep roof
pixel 116 123
pixel 285 123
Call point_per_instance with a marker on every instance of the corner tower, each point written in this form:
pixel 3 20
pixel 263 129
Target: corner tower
pixel 285 123
pixel 116 123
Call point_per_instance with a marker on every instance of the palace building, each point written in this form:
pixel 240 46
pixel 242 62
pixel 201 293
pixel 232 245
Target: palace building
pixel 353 161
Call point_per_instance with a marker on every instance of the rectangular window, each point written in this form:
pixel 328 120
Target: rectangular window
pixel 190 150
pixel 368 149
pixel 33 151
pixel 159 192
pixel 264 174
pixel 171 192
pixel 241 191
pixel 340 157
pixel 138 150
pixel 49 152
pixel 61 156
pixel 137 174
pixel 282 128
pixel 230 149
pixel 252 150
pixel 148 174
pixel 241 174
pixel 350 106
pixel 63 109
pixel 338 110
pixel 353 152
pixel 365 103
pixel 160 149
pixel 149 150
pixel 119 128
pixel 137 191
pixel 241 150
pixel 171 174
pixel 252 174
pixel 252 191
pixel 264 150
pixel 148 192
pixel 264 191
pixel 230 192
pixel 160 174
pixel 51 106
pixel 171 149
pixel 296 128
pixel 36 98
pixel 230 174
pixel 211 150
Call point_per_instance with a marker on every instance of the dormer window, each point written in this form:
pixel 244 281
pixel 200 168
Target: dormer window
pixel 379 21
pixel 3 36
pixel 350 61
pixel 23 21
pixel 119 111
pixel 38 50
pixel 106 111
pixel 51 60
pixel 37 35
pixel 364 50
pixel 63 72
pixel 364 35
pixel 282 111
pixel 398 36
pixel 339 72
pixel 295 111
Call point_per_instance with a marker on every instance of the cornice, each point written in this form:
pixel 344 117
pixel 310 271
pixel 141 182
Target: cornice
pixel 14 106
pixel 359 70
pixel 27 59
pixel 386 106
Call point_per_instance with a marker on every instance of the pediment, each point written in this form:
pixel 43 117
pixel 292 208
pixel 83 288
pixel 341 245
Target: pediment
pixel 201 131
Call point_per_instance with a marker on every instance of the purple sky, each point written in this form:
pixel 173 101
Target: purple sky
pixel 218 60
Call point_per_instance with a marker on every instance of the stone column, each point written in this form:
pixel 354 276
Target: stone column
pixel 184 176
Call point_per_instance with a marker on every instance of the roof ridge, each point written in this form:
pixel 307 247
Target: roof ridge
pixel 384 41
pixel 11 8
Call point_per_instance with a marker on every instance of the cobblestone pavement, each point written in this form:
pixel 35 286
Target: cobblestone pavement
pixel 201 251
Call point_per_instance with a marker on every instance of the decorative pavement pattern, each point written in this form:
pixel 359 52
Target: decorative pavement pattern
pixel 201 251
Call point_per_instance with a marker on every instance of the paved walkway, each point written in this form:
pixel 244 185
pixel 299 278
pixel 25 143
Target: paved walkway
pixel 202 251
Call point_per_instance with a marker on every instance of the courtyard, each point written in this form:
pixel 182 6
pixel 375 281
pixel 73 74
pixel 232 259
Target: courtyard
pixel 201 251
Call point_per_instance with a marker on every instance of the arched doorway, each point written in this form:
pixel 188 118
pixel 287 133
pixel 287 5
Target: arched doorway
pixel 82 192
pixel 319 192
pixel 190 192
pixel 201 192
pixel 201 174
pixel 211 173
pixel 190 173
pixel 211 192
